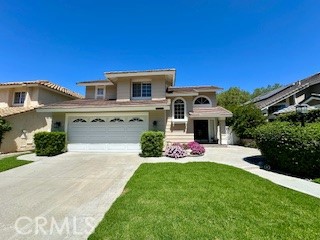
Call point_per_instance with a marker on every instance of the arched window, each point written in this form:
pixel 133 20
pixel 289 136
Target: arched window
pixel 79 120
pixel 98 120
pixel 202 101
pixel 136 120
pixel 116 120
pixel 179 109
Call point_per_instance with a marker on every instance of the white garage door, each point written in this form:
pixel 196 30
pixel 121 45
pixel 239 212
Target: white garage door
pixel 106 133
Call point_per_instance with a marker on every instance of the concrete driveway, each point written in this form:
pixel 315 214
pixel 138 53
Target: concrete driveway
pixel 68 193
pixel 66 196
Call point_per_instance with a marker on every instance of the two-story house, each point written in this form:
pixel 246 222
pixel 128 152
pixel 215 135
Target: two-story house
pixel 284 99
pixel 18 101
pixel 118 109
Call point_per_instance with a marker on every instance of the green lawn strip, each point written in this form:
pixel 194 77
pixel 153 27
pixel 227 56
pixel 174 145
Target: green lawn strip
pixel 11 162
pixel 317 180
pixel 207 201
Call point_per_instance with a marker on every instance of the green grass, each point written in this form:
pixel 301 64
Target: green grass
pixel 317 180
pixel 207 201
pixel 11 162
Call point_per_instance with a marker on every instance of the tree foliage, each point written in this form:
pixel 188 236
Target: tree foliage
pixel 232 98
pixel 245 119
pixel 263 90
pixel 4 127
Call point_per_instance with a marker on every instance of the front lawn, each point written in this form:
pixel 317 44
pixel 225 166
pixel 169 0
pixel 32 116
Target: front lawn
pixel 207 201
pixel 11 162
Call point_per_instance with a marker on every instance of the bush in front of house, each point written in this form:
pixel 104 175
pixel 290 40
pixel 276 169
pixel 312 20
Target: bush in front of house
pixel 310 117
pixel 196 148
pixel 175 151
pixel 245 119
pixel 291 148
pixel 49 143
pixel 4 127
pixel 152 143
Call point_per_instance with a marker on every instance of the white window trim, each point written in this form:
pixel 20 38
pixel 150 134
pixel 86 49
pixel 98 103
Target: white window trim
pixel 19 104
pixel 96 96
pixel 202 105
pixel 140 81
pixel 185 119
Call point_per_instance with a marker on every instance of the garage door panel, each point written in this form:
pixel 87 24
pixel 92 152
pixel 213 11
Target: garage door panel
pixel 121 134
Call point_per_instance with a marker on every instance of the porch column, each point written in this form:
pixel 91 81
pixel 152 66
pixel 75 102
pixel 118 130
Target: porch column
pixel 223 138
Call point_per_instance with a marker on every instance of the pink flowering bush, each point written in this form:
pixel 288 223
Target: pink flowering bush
pixel 196 148
pixel 175 151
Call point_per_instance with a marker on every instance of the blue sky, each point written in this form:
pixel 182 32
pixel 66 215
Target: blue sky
pixel 241 43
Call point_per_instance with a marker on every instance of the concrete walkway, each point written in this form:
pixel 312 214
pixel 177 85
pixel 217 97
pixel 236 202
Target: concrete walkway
pixel 74 190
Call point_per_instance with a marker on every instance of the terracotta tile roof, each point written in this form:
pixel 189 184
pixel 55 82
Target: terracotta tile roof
pixel 210 112
pixel 282 93
pixel 9 111
pixel 99 103
pixel 47 84
pixel 193 89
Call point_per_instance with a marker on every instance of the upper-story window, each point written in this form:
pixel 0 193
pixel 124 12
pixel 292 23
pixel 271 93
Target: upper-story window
pixel 100 92
pixel 19 97
pixel 179 109
pixel 141 90
pixel 202 101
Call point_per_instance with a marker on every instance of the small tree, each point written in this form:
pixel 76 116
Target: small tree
pixel 245 119
pixel 4 127
pixel 232 98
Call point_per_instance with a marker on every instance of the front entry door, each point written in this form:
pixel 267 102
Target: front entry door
pixel 201 134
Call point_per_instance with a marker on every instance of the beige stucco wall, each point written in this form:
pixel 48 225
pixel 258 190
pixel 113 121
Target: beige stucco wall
pixel 159 116
pixel 58 118
pixel 24 125
pixel 111 92
pixel 47 96
pixel 90 92
pixel 123 89
pixel 158 88
pixel 7 96
pixel 4 98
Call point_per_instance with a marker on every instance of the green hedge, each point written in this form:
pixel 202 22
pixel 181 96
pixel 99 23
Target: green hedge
pixel 152 143
pixel 49 143
pixel 309 117
pixel 291 148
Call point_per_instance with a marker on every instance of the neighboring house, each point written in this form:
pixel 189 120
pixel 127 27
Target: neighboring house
pixel 18 101
pixel 303 91
pixel 118 109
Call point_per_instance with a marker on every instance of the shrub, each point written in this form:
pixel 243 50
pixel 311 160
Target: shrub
pixel 152 143
pixel 245 119
pixel 4 127
pixel 49 143
pixel 291 148
pixel 310 117
pixel 175 151
pixel 196 148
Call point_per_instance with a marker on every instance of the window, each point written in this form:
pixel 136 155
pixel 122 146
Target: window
pixel 201 101
pixel 117 120
pixel 99 93
pixel 19 97
pixel 141 90
pixel 136 120
pixel 79 120
pixel 98 120
pixel 179 109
